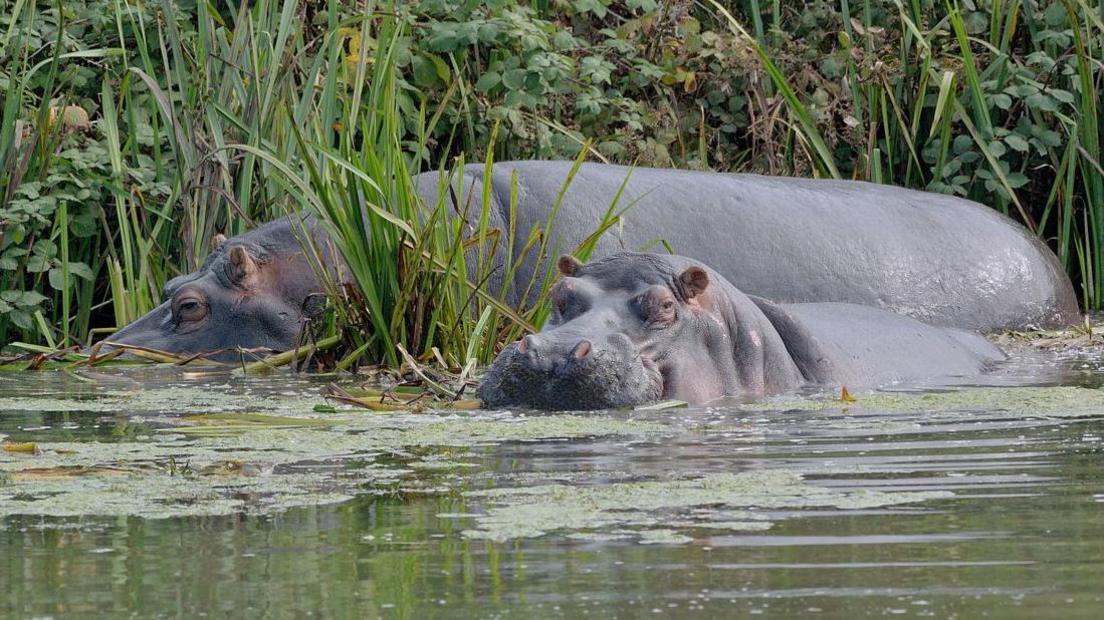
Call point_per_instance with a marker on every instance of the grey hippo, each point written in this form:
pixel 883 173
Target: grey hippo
pixel 633 328
pixel 940 259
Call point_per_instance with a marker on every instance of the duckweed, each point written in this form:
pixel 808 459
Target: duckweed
pixel 530 512
pixel 1058 402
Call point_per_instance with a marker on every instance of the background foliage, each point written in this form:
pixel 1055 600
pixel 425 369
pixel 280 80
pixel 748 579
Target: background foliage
pixel 133 131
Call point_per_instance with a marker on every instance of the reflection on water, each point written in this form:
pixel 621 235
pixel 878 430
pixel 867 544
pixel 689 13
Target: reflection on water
pixel 1005 514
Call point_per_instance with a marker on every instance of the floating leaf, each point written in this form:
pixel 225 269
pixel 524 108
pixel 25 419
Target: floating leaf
pixel 65 471
pixel 252 420
pixel 20 448
pixel 846 397
pixel 466 405
pixel 663 404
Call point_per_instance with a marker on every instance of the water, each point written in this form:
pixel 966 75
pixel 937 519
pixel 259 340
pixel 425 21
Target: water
pixel 942 505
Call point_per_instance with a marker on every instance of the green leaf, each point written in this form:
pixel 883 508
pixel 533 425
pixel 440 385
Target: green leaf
pixel 1055 14
pixel 1042 102
pixel 425 74
pixel 38 264
pixel 81 270
pixel 598 69
pixel 21 319
pixel 514 79
pixel 488 81
pixel 563 40
pixel 597 7
pixel 1017 142
pixel 961 144
pixel 441 67
pixel 30 299
pixel 1061 95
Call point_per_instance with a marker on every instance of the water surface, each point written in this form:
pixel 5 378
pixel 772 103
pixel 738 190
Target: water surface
pixel 980 501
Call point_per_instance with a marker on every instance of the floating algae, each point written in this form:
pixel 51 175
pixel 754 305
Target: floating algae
pixel 663 537
pixel 162 400
pixel 1053 402
pixel 1088 336
pixel 233 448
pixel 530 512
pixel 265 464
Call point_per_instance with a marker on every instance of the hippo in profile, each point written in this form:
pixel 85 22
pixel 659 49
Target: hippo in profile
pixel 943 260
pixel 635 328
pixel 249 293
pixel 937 258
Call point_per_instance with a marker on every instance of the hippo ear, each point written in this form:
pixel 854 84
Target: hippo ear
pixel 694 281
pixel 242 264
pixel 568 264
pixel 217 241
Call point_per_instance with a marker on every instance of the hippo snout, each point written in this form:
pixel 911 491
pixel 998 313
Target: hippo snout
pixel 570 373
pixel 539 352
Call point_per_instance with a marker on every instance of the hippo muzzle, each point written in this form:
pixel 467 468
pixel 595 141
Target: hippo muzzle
pixel 546 372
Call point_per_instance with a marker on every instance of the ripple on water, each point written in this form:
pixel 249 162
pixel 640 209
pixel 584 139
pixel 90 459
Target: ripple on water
pixel 963 498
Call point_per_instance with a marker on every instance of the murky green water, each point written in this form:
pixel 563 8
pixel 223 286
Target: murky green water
pixel 983 501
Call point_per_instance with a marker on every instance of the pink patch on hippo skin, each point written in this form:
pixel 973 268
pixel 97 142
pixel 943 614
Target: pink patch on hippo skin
pixel 756 339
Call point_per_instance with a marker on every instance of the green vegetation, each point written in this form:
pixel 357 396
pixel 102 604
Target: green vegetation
pixel 134 132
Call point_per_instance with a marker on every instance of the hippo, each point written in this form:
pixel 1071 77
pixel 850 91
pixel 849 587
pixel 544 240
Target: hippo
pixel 940 259
pixel 250 293
pixel 633 328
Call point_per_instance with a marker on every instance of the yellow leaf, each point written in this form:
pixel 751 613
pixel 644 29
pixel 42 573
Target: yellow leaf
pixel 846 396
pixel 690 81
pixel 72 117
pixel 20 448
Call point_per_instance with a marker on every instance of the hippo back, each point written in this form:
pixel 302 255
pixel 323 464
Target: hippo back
pixel 857 345
pixel 940 259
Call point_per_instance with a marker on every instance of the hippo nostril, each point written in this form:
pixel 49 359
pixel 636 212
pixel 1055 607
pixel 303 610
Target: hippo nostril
pixel 581 350
pixel 527 344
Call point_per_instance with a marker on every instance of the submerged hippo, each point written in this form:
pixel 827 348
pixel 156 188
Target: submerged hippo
pixel 634 328
pixel 940 259
pixel 249 293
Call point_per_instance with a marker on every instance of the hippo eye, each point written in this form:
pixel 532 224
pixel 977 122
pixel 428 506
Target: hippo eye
pixel 657 310
pixel 189 308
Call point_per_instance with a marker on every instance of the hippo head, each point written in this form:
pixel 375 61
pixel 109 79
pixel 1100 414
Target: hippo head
pixel 629 329
pixel 250 293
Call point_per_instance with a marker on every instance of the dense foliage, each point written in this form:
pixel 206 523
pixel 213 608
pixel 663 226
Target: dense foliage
pixel 133 132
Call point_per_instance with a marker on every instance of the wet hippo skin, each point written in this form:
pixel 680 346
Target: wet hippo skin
pixel 942 260
pixel 632 328
pixel 249 293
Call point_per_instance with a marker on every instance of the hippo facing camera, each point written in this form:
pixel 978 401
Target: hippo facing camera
pixel 633 328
